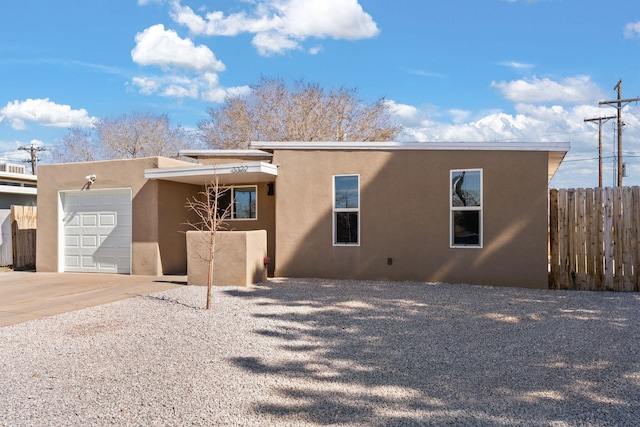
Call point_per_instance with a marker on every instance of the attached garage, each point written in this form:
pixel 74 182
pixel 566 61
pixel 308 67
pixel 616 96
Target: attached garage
pixel 96 233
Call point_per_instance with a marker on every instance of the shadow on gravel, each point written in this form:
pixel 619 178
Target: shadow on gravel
pixel 377 353
pixel 171 301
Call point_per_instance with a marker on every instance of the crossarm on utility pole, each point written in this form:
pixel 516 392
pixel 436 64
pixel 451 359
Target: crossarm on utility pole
pixel 34 159
pixel 618 105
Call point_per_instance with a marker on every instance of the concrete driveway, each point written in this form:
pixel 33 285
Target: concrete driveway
pixel 27 296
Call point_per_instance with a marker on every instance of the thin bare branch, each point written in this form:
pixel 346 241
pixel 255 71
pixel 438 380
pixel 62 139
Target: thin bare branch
pixel 126 136
pixel 212 218
pixel 306 112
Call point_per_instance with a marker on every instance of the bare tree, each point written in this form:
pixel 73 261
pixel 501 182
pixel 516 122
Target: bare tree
pixel 274 112
pixel 140 135
pixel 126 136
pixel 78 145
pixel 211 219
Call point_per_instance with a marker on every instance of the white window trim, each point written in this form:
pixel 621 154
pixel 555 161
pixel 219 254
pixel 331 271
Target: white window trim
pixel 334 210
pixel 466 208
pixel 232 188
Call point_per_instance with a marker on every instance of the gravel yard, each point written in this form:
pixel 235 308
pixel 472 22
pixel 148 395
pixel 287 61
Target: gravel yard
pixel 304 352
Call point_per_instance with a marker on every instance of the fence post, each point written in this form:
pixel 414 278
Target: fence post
pixel 600 239
pixel 554 256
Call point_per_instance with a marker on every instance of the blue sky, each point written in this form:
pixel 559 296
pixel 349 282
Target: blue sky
pixel 455 70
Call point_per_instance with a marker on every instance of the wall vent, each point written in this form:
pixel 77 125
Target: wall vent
pixel 12 168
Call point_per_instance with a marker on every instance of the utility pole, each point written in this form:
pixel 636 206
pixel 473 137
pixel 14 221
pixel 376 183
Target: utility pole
pixel 619 103
pixel 600 121
pixel 34 159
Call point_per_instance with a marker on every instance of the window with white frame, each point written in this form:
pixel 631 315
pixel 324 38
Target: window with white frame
pixel 346 210
pixel 466 208
pixel 242 202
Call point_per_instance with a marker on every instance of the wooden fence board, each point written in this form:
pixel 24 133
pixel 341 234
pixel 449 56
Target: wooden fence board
pixel 608 242
pixel 554 255
pixel 627 249
pixel 571 237
pixel 618 253
pixel 635 211
pixel 563 244
pixel 594 239
pixel 580 266
pixel 23 233
pixel 599 237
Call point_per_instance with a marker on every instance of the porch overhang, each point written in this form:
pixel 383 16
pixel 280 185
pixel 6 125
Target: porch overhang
pixel 227 173
pixel 243 155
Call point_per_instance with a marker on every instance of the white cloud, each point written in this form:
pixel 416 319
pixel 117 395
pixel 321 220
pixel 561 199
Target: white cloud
pixel 423 73
pixel 459 116
pixel 632 30
pixel 193 69
pixel 45 113
pixel 572 90
pixel 407 115
pixel 146 85
pixel 517 65
pixel 269 43
pixel 281 25
pixel 37 143
pixel 204 86
pixel 278 26
pixel 166 49
pixel 338 19
pixel 535 123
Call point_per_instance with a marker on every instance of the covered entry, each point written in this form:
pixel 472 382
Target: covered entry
pixel 95 234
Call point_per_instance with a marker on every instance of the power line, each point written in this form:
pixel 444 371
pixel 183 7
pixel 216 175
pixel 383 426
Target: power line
pixel 600 121
pixel 34 159
pixel 588 159
pixel 619 103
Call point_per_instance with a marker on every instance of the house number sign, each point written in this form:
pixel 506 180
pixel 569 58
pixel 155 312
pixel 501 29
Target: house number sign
pixel 239 169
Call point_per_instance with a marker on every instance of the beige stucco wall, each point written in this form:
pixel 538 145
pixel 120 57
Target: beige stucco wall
pixel 266 205
pixel 265 221
pixel 158 208
pixel 174 220
pixel 405 216
pixel 238 257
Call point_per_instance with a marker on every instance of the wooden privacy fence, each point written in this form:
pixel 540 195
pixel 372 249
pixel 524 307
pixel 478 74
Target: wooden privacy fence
pixel 23 234
pixel 593 239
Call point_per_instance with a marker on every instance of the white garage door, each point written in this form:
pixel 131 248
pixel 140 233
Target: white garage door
pixel 96 231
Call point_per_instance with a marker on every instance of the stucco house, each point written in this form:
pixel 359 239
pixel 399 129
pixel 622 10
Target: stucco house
pixel 452 212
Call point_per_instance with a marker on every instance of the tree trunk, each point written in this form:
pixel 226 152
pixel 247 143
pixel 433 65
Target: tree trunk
pixel 212 244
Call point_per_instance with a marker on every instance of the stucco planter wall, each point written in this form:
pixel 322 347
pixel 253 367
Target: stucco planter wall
pixel 239 258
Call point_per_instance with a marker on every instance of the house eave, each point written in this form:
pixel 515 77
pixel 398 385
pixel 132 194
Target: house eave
pixel 226 154
pixel 392 146
pixel 227 173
